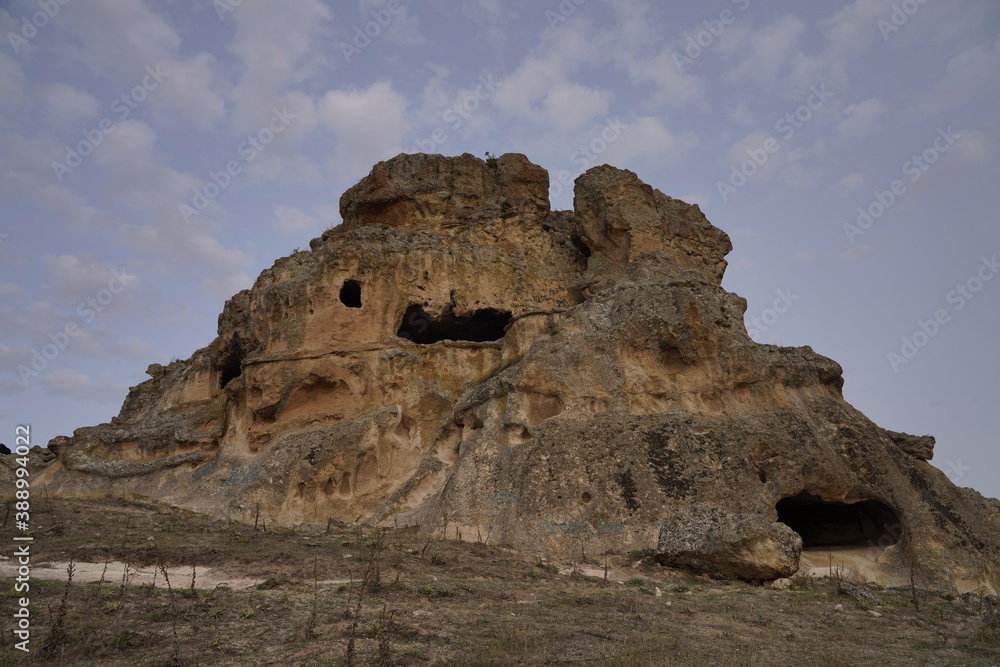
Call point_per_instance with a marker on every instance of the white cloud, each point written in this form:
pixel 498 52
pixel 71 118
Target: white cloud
pixel 973 73
pixel 278 166
pixel 12 357
pixel 66 107
pixel 750 144
pixel 330 215
pixel 563 53
pixel 279 45
pixel 133 348
pixel 142 40
pixel 742 114
pixel 139 180
pixel 847 184
pixel 648 138
pixel 10 290
pixel 401 27
pixel 73 279
pixel 762 53
pixel 635 45
pixel 66 382
pixel 488 14
pixel 531 81
pixel 861 119
pixel 670 86
pixel 11 87
pixel 141 37
pixel 293 220
pixel 798 176
pixel 32 321
pixel 130 145
pixel 191 93
pixel 849 33
pixel 571 106
pixel 972 149
pixel 369 125
pixel 227 284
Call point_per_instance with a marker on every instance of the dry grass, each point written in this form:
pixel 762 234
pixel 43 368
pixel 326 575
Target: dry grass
pixel 407 601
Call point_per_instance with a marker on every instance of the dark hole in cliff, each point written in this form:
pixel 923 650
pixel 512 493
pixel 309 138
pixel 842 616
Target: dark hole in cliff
pixel 823 523
pixel 486 324
pixel 232 365
pixel 350 294
pixel 581 247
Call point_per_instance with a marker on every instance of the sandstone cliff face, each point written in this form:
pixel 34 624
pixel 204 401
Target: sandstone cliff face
pixel 458 356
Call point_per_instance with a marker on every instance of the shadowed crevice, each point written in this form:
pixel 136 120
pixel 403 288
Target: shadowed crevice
pixel 486 324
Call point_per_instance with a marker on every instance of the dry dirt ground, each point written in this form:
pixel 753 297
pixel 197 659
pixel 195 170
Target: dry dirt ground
pixel 349 595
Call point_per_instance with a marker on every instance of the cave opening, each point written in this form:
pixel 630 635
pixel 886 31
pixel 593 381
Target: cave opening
pixel 823 523
pixel 232 366
pixel 580 246
pixel 483 325
pixel 350 294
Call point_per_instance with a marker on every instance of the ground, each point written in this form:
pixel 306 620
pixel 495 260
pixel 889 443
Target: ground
pixel 240 595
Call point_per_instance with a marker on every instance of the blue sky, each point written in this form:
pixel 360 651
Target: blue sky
pixel 155 157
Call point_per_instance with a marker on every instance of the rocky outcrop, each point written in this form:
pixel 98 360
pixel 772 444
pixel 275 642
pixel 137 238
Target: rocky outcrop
pixel 456 355
pixel 921 447
pixel 708 541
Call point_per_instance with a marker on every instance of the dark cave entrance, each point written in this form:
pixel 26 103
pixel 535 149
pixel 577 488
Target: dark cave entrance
pixel 486 324
pixel 580 246
pixel 232 365
pixel 823 523
pixel 350 294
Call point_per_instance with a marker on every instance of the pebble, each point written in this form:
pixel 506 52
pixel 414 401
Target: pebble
pixel 839 607
pixel 874 613
pixel 781 584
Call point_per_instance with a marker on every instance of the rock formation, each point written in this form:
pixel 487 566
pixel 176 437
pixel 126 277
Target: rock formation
pixel 458 356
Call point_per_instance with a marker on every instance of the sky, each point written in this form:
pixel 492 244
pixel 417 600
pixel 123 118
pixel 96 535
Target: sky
pixel 156 156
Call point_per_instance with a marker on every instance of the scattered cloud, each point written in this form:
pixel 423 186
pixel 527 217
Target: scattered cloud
pixel 970 75
pixel 65 107
pixel 69 383
pixel 293 220
pixel 847 184
pixel 647 138
pixel 861 119
pixel 761 54
pixel 490 16
pixel 369 125
pixel 742 114
pixel 10 290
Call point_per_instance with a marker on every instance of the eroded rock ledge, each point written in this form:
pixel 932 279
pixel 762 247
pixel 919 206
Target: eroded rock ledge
pixel 459 356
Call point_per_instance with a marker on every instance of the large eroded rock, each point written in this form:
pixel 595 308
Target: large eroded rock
pixel 458 356
pixel 706 540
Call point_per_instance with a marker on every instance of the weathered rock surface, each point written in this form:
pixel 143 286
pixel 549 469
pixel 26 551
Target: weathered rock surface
pixel 458 356
pixel 707 540
pixel 36 460
pixel 920 446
